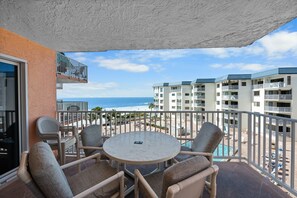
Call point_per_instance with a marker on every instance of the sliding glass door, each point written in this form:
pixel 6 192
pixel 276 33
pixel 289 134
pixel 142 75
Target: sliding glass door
pixel 9 118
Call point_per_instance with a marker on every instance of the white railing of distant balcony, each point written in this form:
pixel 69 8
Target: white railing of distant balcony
pixel 199 104
pixel 274 85
pixel 230 106
pixel 230 87
pixel 199 96
pixel 258 86
pixel 278 109
pixel 200 89
pixel 230 97
pixel 256 139
pixel 278 96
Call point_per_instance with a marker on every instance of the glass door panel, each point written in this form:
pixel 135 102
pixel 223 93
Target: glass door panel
pixel 9 127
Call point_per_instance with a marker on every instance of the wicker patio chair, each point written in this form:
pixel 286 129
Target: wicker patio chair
pixel 45 177
pixel 183 179
pixel 57 136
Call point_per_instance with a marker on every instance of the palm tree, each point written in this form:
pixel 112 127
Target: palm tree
pixel 151 106
pixel 92 116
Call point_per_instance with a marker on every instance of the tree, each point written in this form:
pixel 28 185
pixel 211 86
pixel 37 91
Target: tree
pixel 93 115
pixel 151 106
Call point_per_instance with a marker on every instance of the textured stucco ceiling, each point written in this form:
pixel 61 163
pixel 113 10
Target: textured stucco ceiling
pixel 98 25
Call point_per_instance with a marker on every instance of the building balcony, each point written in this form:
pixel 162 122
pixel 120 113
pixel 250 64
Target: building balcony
pixel 199 104
pixel 258 86
pixel 230 97
pixel 274 85
pixel 70 71
pixel 72 105
pixel 238 155
pixel 199 89
pixel 230 87
pixel 230 106
pixel 278 109
pixel 199 97
pixel 278 97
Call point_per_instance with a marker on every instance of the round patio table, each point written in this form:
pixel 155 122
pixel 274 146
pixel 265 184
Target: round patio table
pixel 141 148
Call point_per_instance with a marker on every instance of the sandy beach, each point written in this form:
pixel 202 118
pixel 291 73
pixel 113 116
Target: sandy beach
pixel 133 108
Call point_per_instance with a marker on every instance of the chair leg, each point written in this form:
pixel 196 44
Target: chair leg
pixel 62 157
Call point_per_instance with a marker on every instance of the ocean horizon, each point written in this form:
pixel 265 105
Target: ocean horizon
pixel 113 102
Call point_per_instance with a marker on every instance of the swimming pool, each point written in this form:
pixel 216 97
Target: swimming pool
pixel 221 150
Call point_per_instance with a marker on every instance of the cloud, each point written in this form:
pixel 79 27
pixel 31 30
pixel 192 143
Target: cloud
pixel 120 64
pixel 78 56
pixel 84 90
pixel 244 66
pixel 279 44
pixel 217 52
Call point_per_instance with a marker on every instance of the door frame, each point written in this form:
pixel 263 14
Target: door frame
pixel 22 108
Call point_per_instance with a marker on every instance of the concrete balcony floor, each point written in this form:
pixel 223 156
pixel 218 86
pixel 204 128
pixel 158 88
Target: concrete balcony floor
pixel 235 179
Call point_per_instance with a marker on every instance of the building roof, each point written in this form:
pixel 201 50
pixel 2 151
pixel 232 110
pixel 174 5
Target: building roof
pixel 180 83
pixel 161 85
pixel 272 72
pixel 204 80
pixel 234 77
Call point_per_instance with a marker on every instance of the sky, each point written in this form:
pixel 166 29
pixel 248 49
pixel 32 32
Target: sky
pixel 132 73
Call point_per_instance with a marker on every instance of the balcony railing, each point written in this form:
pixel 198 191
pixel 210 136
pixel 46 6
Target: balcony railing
pixel 71 68
pixel 278 96
pixel 200 89
pixel 230 106
pixel 199 96
pixel 258 86
pixel 230 87
pixel 252 139
pixel 230 97
pixel 278 109
pixel 199 104
pixel 274 85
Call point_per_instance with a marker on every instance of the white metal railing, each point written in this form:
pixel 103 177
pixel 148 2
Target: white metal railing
pixel 278 96
pixel 274 85
pixel 200 89
pixel 265 142
pixel 230 97
pixel 258 86
pixel 278 109
pixel 230 106
pixel 230 87
pixel 199 96
pixel 199 104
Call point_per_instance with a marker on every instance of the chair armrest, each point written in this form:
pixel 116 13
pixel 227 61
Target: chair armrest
pixel 22 171
pixel 119 175
pixel 90 147
pixel 97 155
pixel 140 179
pixel 190 139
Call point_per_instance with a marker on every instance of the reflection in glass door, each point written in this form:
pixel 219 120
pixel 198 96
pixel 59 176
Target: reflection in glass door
pixel 9 127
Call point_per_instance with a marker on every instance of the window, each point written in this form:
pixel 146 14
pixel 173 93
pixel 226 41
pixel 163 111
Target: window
pixel 173 88
pixel 218 85
pixel 161 107
pixel 257 104
pixel 243 84
pixel 187 108
pixel 218 102
pixel 172 100
pixel 173 94
pixel 161 101
pixel 161 95
pixel 218 93
pixel 173 107
pixel 161 89
pixel 256 93
pixel 289 80
pixel 187 101
pixel 187 94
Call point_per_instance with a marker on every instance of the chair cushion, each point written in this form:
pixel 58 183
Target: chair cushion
pixel 92 176
pixel 208 138
pixel 91 136
pixel 182 171
pixel 155 181
pixel 181 157
pixel 47 173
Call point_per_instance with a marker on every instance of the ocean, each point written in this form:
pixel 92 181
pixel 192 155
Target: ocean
pixel 114 102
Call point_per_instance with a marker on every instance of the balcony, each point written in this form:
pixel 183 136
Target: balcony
pixel 199 89
pixel 230 97
pixel 229 87
pixel 72 105
pixel 199 97
pixel 70 71
pixel 274 85
pixel 230 106
pixel 199 104
pixel 278 109
pixel 258 86
pixel 278 97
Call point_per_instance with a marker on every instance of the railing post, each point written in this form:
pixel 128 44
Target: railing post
pixel 249 137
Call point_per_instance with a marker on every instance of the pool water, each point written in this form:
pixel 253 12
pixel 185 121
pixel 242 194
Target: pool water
pixel 221 150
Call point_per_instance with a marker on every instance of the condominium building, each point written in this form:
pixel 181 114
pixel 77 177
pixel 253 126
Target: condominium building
pixel 269 92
